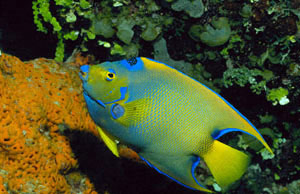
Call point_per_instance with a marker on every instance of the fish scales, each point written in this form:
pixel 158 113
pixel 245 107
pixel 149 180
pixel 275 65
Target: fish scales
pixel 169 119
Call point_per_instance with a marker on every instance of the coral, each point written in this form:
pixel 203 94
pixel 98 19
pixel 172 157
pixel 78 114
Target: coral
pixel 37 97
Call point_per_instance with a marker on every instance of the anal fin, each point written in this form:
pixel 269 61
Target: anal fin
pixel 178 168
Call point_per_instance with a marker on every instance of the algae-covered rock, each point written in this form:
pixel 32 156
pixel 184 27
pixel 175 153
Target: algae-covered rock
pixel 194 8
pixel 151 32
pixel 103 27
pixel 125 32
pixel 212 35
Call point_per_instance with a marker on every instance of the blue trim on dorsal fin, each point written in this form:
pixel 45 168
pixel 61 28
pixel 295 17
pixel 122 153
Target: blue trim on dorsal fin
pixel 220 98
pixel 219 133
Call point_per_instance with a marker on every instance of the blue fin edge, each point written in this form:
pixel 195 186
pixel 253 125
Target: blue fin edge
pixel 195 164
pixel 218 96
pixel 219 133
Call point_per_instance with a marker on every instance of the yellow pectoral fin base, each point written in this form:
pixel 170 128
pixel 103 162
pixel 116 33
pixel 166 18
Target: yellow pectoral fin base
pixel 226 164
pixel 109 141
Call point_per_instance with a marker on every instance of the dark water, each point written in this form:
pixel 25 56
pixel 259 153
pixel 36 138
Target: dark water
pixel 18 35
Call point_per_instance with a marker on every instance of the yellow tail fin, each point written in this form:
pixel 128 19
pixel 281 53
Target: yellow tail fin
pixel 226 163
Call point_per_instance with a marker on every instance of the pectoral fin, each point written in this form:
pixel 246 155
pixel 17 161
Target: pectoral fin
pixel 109 141
pixel 178 168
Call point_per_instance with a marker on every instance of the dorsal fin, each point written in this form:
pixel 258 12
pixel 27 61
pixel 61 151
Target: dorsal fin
pixel 253 132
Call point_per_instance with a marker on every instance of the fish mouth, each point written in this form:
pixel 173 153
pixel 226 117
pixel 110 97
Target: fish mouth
pixel 83 74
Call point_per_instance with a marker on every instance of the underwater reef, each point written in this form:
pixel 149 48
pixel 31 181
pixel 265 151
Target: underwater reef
pixel 248 51
pixel 39 98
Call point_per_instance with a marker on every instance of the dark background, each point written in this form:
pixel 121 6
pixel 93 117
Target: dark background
pixel 18 34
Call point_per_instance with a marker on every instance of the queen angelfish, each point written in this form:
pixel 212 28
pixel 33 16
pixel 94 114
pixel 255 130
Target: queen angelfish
pixel 168 118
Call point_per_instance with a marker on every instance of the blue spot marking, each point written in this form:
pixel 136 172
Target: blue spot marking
pixel 193 168
pixel 219 97
pixel 139 65
pixel 117 111
pixel 219 133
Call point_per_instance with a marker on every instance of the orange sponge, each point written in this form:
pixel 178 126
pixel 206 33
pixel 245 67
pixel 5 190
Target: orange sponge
pixel 36 97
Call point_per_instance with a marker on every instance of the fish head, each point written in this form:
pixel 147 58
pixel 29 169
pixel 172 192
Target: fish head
pixel 104 83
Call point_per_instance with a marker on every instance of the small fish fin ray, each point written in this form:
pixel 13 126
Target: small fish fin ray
pixel 249 130
pixel 109 141
pixel 178 168
pixel 226 164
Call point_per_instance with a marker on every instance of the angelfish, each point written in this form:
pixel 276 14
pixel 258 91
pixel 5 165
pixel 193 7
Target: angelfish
pixel 171 120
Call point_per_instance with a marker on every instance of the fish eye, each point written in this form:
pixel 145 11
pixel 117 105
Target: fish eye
pixel 110 75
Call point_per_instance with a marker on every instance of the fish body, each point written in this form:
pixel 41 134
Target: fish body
pixel 169 119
